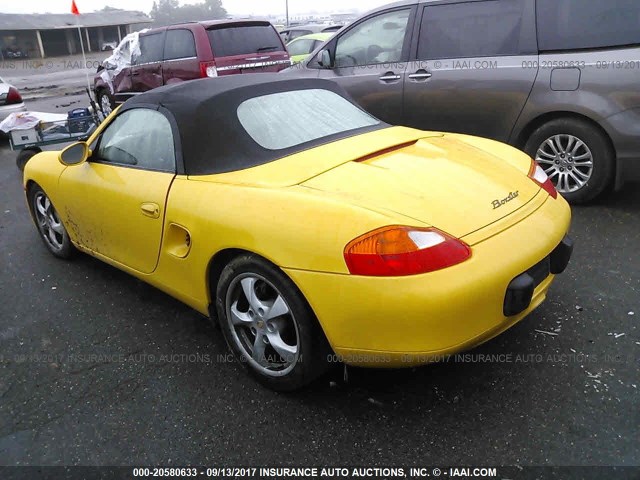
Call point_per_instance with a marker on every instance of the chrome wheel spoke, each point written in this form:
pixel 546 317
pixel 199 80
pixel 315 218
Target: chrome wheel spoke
pixel 575 178
pixel 580 176
pixel 277 309
pixel 552 173
pixel 259 347
pixel 579 143
pixel 585 156
pixel 550 156
pixel 286 351
pixel 549 161
pixel 57 228
pixel 249 289
pixel 238 317
pixel 52 238
pixel 40 207
pixel 551 144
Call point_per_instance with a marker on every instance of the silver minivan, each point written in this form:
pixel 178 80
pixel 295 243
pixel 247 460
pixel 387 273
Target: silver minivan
pixel 559 79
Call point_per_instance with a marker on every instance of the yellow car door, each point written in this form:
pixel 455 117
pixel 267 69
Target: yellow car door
pixel 115 202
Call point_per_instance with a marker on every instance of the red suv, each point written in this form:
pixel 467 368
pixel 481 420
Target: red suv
pixel 188 51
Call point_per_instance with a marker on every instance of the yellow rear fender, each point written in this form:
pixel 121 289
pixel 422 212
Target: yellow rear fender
pixel 290 228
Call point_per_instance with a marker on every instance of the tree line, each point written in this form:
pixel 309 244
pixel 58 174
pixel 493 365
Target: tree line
pixel 166 12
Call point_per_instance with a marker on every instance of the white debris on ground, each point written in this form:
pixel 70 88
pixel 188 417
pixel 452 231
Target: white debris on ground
pixel 553 334
pixel 616 335
pixel 631 313
pixel 597 380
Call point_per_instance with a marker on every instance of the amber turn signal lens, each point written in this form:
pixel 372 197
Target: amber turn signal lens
pixel 399 251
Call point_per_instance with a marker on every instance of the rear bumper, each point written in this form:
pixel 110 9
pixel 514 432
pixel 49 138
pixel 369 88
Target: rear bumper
pixel 404 321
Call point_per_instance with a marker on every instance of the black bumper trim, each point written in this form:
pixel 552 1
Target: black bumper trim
pixel 561 255
pixel 520 289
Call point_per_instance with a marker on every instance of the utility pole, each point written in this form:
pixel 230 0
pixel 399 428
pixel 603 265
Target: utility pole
pixel 286 2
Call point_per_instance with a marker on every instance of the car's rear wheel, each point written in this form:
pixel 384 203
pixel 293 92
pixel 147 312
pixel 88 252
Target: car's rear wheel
pixel 576 156
pixel 24 156
pixel 268 324
pixel 52 231
pixel 106 102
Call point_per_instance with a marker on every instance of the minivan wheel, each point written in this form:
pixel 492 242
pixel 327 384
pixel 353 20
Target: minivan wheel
pixel 106 103
pixel 575 155
pixel 268 324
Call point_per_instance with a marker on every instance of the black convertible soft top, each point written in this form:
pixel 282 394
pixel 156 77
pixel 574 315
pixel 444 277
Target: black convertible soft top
pixel 211 138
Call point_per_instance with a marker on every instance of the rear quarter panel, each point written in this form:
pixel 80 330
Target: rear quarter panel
pixel 287 226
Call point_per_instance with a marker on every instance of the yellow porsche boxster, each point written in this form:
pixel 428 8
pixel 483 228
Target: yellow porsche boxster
pixel 340 238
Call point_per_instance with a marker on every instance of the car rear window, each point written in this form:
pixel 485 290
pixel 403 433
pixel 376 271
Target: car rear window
pixel 577 24
pixel 301 47
pixel 287 119
pixel 227 41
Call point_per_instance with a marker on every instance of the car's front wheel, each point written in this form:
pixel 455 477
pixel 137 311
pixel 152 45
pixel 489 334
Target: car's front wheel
pixel 52 231
pixel 269 325
pixel 575 155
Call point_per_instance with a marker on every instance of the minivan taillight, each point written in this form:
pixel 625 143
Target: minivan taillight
pixel 208 69
pixel 13 96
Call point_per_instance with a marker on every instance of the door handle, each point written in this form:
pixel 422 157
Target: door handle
pixel 420 75
pixel 150 209
pixel 390 77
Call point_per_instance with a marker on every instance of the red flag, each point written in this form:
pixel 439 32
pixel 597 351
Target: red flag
pixel 74 8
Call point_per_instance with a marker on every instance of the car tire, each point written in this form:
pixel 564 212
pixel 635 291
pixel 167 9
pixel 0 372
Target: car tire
pixel 283 349
pixel 24 156
pixel 51 229
pixel 106 103
pixel 577 157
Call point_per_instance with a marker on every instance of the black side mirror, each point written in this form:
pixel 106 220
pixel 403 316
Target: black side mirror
pixel 324 59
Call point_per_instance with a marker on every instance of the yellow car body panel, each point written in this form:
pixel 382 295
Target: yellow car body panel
pixel 410 320
pixel 299 212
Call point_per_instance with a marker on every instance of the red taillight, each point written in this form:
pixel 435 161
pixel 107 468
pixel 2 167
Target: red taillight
pixel 398 251
pixel 208 69
pixel 538 175
pixel 13 96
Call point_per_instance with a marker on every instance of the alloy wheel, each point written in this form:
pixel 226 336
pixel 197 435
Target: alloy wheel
pixel 567 161
pixel 48 221
pixel 262 324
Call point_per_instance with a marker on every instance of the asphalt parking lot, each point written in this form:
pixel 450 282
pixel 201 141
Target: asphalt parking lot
pixel 97 368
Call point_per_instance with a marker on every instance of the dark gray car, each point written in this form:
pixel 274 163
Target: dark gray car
pixel 559 79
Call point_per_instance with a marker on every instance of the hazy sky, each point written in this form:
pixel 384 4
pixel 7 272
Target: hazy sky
pixel 257 7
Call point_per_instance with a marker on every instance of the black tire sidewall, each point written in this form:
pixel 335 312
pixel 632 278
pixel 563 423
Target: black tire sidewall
pixel 24 156
pixel 603 156
pixel 67 251
pixel 314 350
